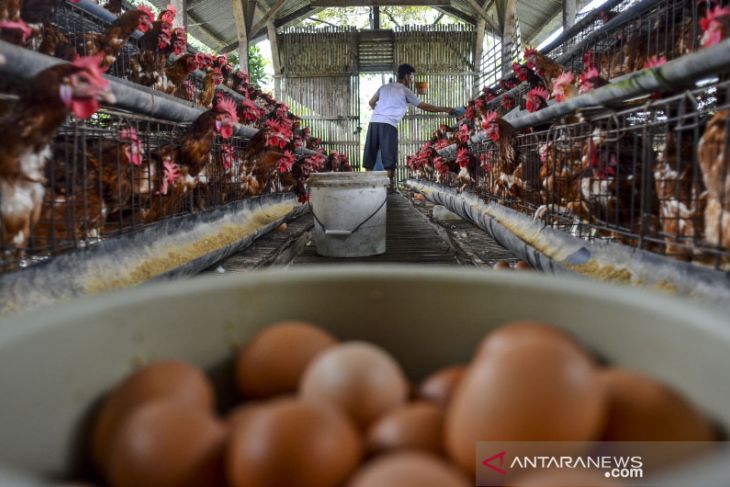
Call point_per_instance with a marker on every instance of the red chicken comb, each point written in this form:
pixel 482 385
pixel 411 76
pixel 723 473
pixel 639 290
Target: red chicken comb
pixel 171 8
pixel 655 62
pixel 712 15
pixel 492 116
pixel 127 132
pixel 91 64
pixel 222 59
pixel 286 162
pixel 590 73
pixel 565 78
pixel 530 52
pixel 147 10
pixel 588 58
pixel 227 106
pixel 539 91
pixel 20 25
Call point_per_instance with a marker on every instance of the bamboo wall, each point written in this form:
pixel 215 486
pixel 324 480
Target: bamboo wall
pixel 318 52
pixel 436 48
pixel 444 57
pixel 320 81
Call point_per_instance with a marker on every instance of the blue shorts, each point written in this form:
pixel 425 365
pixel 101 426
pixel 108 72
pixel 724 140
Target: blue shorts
pixel 381 137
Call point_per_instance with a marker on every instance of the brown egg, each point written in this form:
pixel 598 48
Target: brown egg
pixel 643 409
pixel 419 197
pixel 168 444
pixel 522 331
pixel 502 265
pixel 247 410
pixel 361 379
pixel 169 380
pixel 415 426
pixel 282 228
pixel 292 443
pixel 273 361
pixel 439 387
pixel 409 469
pixel 563 478
pixel 522 266
pixel 539 390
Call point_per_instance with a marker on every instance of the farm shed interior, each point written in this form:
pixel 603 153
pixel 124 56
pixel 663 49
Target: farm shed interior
pixel 592 143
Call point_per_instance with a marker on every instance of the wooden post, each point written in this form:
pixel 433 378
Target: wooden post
pixel 275 59
pixel 569 9
pixel 376 18
pixel 243 14
pixel 507 23
pixel 478 46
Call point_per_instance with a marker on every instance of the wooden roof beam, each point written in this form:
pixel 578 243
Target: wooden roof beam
pixel 278 23
pixel 197 23
pixel 454 12
pixel 481 10
pixel 261 24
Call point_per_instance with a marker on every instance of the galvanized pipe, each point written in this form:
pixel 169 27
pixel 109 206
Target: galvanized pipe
pixel 706 62
pixel 578 27
pixel 622 18
pixel 554 251
pixel 589 18
pixel 104 15
pixel 23 64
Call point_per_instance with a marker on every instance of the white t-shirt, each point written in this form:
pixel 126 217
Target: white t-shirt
pixel 393 100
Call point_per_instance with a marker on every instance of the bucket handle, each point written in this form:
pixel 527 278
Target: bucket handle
pixel 347 233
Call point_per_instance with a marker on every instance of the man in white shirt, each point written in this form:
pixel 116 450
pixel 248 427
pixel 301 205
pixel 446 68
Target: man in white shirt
pixel 390 104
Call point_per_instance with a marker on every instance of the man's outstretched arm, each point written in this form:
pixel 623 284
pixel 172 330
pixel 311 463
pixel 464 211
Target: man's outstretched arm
pixel 434 109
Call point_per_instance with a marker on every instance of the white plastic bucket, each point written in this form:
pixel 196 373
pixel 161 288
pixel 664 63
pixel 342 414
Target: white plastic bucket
pixel 349 210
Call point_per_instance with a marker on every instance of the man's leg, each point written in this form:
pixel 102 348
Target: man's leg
pixel 370 152
pixel 389 151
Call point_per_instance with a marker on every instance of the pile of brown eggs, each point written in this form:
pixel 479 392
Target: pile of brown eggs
pixel 316 412
pixel 520 265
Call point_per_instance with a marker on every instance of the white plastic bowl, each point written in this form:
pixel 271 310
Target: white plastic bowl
pixel 56 362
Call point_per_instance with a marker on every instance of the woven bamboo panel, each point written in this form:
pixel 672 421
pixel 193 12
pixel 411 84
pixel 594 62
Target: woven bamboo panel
pixel 329 106
pixel 318 52
pixel 436 48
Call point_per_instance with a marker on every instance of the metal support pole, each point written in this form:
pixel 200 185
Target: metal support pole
pixel 569 11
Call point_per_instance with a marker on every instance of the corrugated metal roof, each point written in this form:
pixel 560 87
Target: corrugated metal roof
pixel 212 20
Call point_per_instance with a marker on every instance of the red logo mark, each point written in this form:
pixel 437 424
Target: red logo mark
pixel 500 456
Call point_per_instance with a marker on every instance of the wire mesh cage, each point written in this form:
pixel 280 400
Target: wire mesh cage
pixel 625 38
pixel 596 19
pixel 76 25
pixel 117 172
pixel 651 173
pixel 73 29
